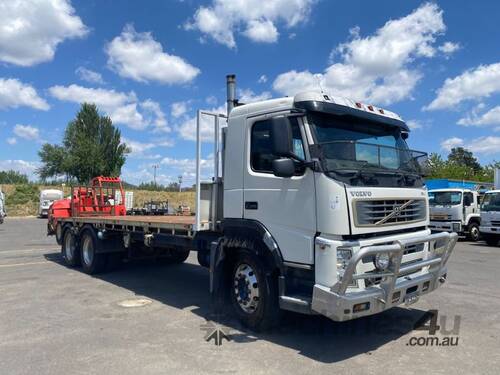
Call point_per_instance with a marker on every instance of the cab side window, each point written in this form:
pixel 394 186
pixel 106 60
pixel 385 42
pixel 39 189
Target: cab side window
pixel 468 199
pixel 261 155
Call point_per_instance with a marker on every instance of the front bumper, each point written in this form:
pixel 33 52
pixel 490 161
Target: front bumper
pixel 340 304
pixel 446 226
pixel 489 229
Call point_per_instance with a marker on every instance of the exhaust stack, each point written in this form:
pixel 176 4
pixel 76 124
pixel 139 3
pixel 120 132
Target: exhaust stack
pixel 231 92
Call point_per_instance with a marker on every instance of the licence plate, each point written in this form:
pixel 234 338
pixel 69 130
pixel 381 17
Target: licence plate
pixel 410 299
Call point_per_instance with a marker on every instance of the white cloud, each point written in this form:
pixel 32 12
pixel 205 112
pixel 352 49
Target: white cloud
pixel 257 19
pixel 179 108
pixel 89 75
pixel 483 145
pixel 262 79
pixel 14 94
pixel 21 166
pixel 123 108
pixel 246 96
pixel 261 31
pixel 141 150
pixel 187 130
pixel 376 68
pixel 414 124
pixel 11 141
pixel 27 132
pixel 449 47
pixel 139 57
pixel 473 84
pixel 450 143
pixel 30 30
pixel 491 117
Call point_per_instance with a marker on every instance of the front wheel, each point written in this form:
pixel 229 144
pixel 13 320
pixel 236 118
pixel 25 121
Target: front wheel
pixel 253 293
pixel 93 262
pixel 474 233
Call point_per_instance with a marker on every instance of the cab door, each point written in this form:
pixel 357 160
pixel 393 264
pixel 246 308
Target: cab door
pixel 285 206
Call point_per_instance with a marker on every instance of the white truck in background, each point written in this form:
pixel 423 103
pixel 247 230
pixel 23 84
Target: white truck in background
pixel 490 213
pixel 455 210
pixel 47 197
pixel 2 206
pixel 316 205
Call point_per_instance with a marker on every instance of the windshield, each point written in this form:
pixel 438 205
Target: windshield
pixel 491 202
pixel 348 146
pixel 445 198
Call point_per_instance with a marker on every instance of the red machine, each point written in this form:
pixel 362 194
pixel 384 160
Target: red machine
pixel 97 199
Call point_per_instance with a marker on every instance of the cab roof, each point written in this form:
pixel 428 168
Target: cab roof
pixel 321 102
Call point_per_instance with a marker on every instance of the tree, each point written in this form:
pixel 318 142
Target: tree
pixel 12 177
pixel 461 156
pixel 91 147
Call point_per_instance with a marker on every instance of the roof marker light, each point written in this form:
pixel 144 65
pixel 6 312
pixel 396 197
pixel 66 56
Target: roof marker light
pixel 370 107
pixel 358 104
pixel 381 110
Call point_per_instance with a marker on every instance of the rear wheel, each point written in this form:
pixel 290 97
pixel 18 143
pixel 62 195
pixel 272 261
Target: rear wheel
pixel 69 249
pixel 93 262
pixel 474 232
pixel 253 293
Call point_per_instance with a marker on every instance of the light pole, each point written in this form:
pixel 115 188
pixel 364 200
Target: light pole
pixel 155 167
pixel 180 182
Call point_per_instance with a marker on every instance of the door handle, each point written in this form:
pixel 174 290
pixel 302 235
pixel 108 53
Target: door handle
pixel 251 205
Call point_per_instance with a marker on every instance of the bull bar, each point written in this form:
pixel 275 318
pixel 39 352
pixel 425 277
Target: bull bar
pixel 338 303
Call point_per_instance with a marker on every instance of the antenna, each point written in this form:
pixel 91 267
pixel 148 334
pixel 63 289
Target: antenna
pixel 155 167
pixel 318 78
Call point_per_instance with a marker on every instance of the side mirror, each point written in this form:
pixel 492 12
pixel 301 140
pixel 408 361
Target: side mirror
pixel 281 136
pixel 283 167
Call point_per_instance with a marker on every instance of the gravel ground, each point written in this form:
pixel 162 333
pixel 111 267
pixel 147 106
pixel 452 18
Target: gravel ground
pixel 57 320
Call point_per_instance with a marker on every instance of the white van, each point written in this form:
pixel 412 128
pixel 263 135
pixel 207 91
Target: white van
pixel 47 197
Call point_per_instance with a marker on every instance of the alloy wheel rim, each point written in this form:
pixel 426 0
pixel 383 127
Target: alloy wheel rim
pixel 246 288
pixel 88 251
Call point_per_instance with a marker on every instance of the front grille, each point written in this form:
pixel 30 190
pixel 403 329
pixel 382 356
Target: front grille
pixel 495 223
pixel 389 212
pixel 440 217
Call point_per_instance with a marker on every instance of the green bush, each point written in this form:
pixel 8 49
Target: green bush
pixel 23 194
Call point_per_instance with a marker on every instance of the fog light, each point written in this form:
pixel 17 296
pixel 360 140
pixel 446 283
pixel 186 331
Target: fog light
pixel 361 307
pixel 382 261
pixel 455 227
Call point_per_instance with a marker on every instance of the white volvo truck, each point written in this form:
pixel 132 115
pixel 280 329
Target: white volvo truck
pixel 455 210
pixel 316 206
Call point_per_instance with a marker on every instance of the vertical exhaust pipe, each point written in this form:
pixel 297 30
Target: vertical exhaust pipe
pixel 231 92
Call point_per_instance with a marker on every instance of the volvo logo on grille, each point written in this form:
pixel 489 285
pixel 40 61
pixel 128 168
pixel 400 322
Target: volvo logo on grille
pixel 359 194
pixel 396 211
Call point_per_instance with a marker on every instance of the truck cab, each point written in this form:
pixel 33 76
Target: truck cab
pixel 333 191
pixel 490 217
pixel 455 210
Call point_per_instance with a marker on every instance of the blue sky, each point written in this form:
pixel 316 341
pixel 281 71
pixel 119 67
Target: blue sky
pixel 149 65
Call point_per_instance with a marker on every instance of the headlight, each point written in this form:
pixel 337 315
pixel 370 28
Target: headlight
pixel 382 261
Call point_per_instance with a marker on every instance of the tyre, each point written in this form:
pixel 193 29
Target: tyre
pixel 474 233
pixel 491 239
pixel 174 256
pixel 69 248
pixel 58 233
pixel 253 293
pixel 93 262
